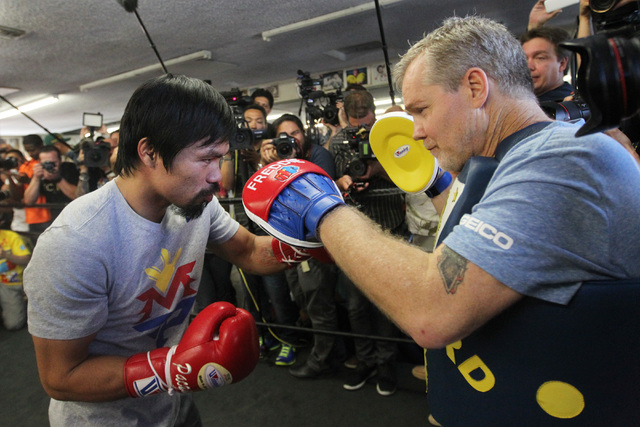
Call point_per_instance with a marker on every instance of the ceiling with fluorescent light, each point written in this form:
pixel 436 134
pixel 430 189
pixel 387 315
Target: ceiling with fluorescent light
pixel 68 44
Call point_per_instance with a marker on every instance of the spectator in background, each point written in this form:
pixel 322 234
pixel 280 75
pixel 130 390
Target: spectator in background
pixel 52 178
pixel 60 142
pixel 375 358
pixel 37 218
pixel 114 138
pixel 14 256
pixel 547 62
pixel 97 172
pixel 264 98
pixel 236 167
pixel 10 178
pixel 343 122
pixel 312 280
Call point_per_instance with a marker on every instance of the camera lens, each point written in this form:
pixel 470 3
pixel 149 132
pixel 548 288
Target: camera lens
pixel 330 115
pixel 284 150
pixel 357 167
pixel 601 6
pixel 8 163
pixel 608 79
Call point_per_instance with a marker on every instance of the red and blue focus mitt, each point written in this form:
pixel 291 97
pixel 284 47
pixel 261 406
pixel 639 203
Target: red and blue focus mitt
pixel 288 199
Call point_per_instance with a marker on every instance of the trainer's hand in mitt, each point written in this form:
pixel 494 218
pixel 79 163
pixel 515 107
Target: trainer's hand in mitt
pixel 289 198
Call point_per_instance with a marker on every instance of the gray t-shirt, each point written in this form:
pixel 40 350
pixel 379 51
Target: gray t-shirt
pixel 101 268
pixel 558 211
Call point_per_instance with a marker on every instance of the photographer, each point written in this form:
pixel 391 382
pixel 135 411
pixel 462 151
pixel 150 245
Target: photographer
pixel 99 173
pixel 375 358
pixel 238 165
pixel 300 147
pixel 52 178
pixel 313 283
pixel 342 116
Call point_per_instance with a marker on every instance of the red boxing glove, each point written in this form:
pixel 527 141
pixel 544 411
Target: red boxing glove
pixel 219 347
pixel 293 255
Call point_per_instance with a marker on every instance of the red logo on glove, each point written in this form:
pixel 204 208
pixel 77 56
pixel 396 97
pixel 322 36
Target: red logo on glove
pixel 286 172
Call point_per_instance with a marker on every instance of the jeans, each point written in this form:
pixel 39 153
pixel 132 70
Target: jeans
pixel 318 284
pixel 366 319
pixel 286 311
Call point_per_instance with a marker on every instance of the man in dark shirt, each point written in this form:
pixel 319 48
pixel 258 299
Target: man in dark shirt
pixel 547 62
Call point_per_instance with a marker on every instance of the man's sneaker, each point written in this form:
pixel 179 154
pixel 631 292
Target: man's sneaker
pixel 267 344
pixel 419 372
pixel 351 363
pixel 359 376
pixel 287 356
pixel 387 381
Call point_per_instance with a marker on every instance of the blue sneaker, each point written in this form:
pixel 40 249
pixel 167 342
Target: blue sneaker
pixel 287 356
pixel 267 345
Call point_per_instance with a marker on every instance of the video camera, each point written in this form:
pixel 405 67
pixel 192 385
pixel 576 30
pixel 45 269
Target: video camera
pixel 319 104
pixel 609 74
pixel 96 153
pixel 243 138
pixel 355 150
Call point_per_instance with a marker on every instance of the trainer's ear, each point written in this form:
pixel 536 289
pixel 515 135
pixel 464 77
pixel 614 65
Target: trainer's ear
pixel 146 153
pixel 477 83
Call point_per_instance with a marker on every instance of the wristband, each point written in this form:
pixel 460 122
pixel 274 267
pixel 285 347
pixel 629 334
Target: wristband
pixel 441 184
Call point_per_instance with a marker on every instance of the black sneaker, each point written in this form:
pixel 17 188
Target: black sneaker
pixel 387 381
pixel 359 376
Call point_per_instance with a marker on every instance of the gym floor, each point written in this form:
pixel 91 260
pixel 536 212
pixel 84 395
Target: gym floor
pixel 270 396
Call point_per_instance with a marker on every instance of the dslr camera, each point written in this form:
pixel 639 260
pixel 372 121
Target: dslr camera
pixel 609 74
pixel 49 166
pixel 286 146
pixel 8 163
pixel 355 150
pixel 243 138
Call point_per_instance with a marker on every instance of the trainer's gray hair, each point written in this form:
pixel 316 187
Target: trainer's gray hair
pixel 463 43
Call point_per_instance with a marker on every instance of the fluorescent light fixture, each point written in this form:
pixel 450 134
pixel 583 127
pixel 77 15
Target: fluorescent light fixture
pixel 203 54
pixel 28 107
pixel 266 35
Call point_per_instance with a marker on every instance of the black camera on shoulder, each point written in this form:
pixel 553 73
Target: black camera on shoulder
pixel 318 104
pixel 609 74
pixel 354 151
pixel 286 146
pixel 243 138
pixel 96 153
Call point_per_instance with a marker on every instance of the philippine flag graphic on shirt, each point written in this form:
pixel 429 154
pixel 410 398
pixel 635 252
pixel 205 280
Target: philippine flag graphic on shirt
pixel 171 284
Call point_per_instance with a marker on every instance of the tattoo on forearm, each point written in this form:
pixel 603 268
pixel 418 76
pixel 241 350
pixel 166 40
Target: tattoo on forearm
pixel 452 268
